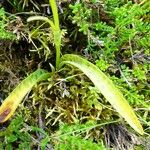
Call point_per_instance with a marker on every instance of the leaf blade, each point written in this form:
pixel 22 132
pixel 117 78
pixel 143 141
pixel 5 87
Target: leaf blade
pixel 107 88
pixel 11 103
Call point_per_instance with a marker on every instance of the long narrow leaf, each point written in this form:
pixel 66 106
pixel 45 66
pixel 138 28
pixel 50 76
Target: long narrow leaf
pixel 107 88
pixel 42 18
pixel 10 104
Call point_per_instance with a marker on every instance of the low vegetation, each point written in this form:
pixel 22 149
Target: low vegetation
pixel 51 51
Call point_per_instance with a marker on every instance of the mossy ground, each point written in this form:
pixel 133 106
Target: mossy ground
pixel 69 113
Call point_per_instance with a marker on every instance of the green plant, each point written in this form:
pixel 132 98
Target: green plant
pixel 76 142
pixel 70 137
pixel 127 25
pixel 100 80
pixel 120 46
pixel 4 34
pixel 20 135
pixel 14 134
pixel 81 17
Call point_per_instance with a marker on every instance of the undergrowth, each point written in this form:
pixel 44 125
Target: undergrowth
pixel 70 113
pixel 120 45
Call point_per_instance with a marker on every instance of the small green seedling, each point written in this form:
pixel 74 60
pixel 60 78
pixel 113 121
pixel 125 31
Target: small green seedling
pixel 100 80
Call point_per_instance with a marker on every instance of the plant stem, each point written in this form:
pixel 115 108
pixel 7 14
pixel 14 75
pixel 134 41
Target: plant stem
pixel 57 56
pixel 57 32
pixel 55 13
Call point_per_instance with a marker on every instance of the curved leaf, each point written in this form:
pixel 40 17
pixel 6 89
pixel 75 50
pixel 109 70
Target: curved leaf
pixel 10 104
pixel 107 88
pixel 42 18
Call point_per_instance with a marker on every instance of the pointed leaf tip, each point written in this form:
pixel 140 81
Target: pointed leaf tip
pixel 106 87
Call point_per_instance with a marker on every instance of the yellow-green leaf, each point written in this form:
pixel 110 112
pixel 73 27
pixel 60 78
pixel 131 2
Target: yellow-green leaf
pixel 10 104
pixel 106 87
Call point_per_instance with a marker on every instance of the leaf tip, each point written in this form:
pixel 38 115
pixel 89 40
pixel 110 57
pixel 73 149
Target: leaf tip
pixel 4 115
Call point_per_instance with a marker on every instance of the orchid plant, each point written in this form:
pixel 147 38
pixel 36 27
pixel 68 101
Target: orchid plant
pixel 100 80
